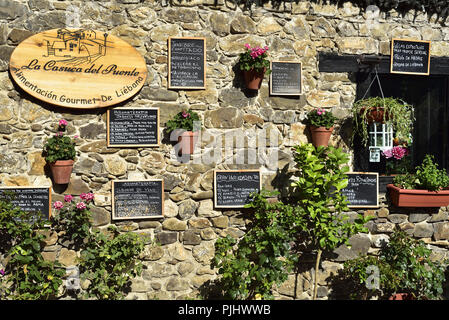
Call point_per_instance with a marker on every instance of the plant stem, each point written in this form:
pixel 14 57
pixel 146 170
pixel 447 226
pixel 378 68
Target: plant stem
pixel 317 263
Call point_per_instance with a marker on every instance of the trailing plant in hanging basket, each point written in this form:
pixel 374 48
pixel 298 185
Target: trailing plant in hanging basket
pixel 393 111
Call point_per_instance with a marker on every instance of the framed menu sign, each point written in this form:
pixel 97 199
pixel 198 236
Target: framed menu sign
pixel 133 127
pixel 186 63
pixel 286 78
pixel 410 57
pixel 232 188
pixel 31 199
pixel 137 199
pixel 362 189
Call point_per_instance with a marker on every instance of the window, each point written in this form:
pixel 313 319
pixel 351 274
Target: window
pixel 429 96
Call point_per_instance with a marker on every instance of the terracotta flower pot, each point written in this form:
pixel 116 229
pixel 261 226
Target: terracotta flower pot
pixel 418 198
pixel 253 78
pixel 375 114
pixel 61 171
pixel 187 141
pixel 320 135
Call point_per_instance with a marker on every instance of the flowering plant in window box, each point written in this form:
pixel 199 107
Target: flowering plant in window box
pixel 254 64
pixel 321 124
pixel 60 153
pixel 397 160
pixel 428 187
pixel 184 126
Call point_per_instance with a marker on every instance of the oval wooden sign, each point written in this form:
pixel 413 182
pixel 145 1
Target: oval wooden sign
pixel 78 68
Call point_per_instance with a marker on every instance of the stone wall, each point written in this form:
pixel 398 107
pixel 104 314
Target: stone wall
pixel 181 264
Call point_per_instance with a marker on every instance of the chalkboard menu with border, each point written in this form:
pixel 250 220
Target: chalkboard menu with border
pixel 128 127
pixel 410 57
pixel 37 199
pixel 137 199
pixel 186 63
pixel 233 187
pixel 286 78
pixel 362 189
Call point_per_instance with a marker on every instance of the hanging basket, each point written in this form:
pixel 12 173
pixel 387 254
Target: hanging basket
pixel 375 114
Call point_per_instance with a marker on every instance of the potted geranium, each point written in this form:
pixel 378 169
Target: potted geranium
pixel 321 124
pixel 254 64
pixel 391 111
pixel 60 153
pixel 425 188
pixel 185 126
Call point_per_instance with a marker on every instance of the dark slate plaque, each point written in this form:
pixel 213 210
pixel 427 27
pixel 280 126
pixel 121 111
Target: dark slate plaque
pixel 187 63
pixel 233 187
pixel 285 78
pixel 410 57
pixel 362 189
pixel 31 199
pixel 137 199
pixel 133 127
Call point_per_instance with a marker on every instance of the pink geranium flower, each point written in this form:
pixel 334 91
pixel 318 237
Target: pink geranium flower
pixel 63 123
pixel 68 198
pixel 81 206
pixel 397 153
pixel 87 196
pixel 58 205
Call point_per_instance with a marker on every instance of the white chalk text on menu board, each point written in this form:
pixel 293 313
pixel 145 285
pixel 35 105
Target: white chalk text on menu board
pixel 133 127
pixel 137 199
pixel 187 63
pixel 285 78
pixel 362 189
pixel 31 199
pixel 410 57
pixel 233 187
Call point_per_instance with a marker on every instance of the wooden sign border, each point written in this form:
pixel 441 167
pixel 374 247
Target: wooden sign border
pixel 409 40
pixel 31 187
pixel 377 190
pixel 169 62
pixel 133 145
pixel 113 217
pixel 243 170
pixel 286 94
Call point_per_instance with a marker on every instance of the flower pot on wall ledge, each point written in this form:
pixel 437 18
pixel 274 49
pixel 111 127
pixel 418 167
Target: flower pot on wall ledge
pixel 186 142
pixel 320 135
pixel 417 198
pixel 253 78
pixel 61 171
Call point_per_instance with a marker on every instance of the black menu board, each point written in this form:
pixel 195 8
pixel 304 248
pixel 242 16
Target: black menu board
pixel 362 189
pixel 186 63
pixel 137 199
pixel 31 199
pixel 233 187
pixel 410 57
pixel 285 78
pixel 133 127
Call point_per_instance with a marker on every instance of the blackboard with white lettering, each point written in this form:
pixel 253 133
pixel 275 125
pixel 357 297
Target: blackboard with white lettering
pixel 186 63
pixel 137 199
pixel 31 199
pixel 233 187
pixel 285 78
pixel 410 57
pixel 362 189
pixel 133 127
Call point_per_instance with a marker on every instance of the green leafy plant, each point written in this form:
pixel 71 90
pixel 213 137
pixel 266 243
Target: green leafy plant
pixel 427 177
pixel 320 178
pixel 396 112
pixel 109 261
pixel 73 219
pixel 254 58
pixel 27 276
pixel 321 118
pixel 404 266
pixel 184 120
pixel 250 267
pixel 60 147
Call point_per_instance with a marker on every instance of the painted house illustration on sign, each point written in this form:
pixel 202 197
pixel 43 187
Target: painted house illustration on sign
pixel 77 47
